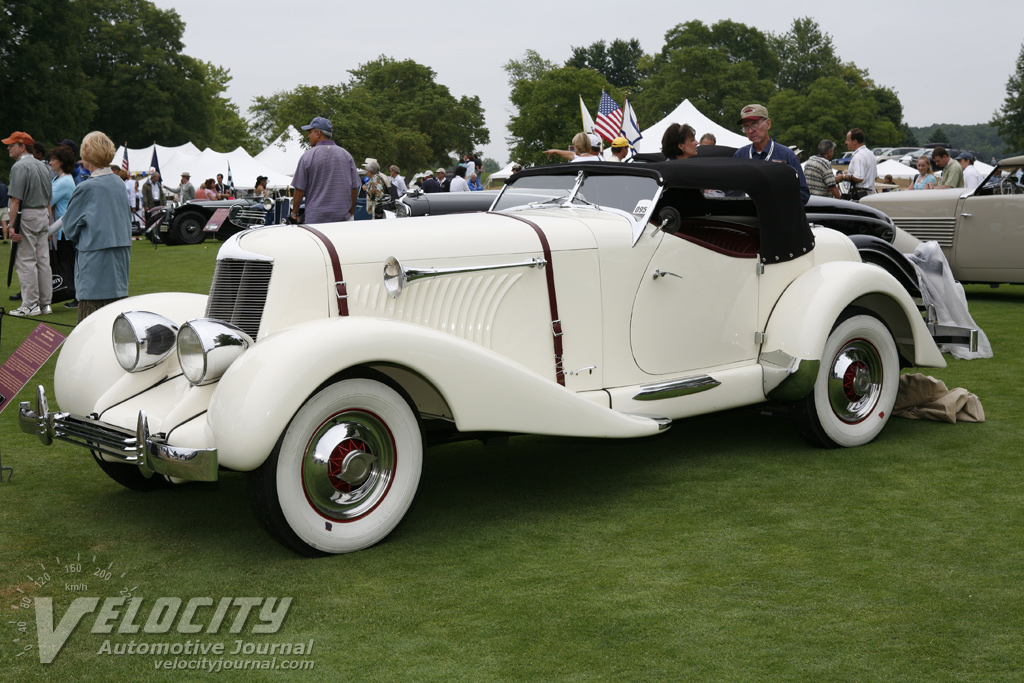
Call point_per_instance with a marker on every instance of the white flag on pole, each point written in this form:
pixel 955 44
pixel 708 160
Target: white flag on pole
pixel 630 127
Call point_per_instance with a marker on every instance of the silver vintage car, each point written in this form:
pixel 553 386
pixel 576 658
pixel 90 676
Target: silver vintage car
pixel 981 231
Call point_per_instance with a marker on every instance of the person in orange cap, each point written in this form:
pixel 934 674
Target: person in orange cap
pixel 30 194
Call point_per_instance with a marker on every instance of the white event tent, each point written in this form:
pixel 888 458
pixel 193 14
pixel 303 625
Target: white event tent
pixel 202 165
pixel 687 113
pixel 283 154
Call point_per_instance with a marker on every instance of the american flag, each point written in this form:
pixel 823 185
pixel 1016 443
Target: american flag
pixel 124 159
pixel 609 118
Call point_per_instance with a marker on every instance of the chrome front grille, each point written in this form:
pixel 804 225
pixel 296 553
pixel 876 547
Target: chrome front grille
pixel 925 229
pixel 239 293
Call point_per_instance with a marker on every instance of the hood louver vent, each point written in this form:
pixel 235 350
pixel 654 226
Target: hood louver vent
pixel 239 293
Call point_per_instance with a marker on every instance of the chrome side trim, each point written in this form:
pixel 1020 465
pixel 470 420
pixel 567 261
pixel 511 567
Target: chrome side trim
pixel 149 453
pixel 676 387
pixel 663 422
pixel 396 276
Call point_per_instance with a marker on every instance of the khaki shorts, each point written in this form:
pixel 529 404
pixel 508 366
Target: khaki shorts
pixel 5 214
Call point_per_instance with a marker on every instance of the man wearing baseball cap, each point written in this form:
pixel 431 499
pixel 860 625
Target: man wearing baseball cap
pixel 972 176
pixel 756 124
pixel 30 193
pixel 443 180
pixel 620 148
pixel 326 177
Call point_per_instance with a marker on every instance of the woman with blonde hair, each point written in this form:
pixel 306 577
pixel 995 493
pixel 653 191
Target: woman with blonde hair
pixel 99 223
pixel 585 147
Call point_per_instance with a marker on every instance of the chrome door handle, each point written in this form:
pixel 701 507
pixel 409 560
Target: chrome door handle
pixel 664 273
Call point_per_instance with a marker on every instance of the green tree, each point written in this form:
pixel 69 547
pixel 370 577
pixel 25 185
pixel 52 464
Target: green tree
pixel 736 42
pixel 939 135
pixel 150 91
pixel 1009 119
pixel 531 66
pixel 805 119
pixel 718 87
pixel 392 111
pixel 548 107
pixel 618 63
pixel 805 55
pixel 43 88
pixel 424 120
pixel 909 137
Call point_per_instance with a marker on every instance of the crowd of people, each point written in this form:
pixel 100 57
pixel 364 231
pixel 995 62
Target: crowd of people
pixel 55 217
pixel 327 183
pixel 81 208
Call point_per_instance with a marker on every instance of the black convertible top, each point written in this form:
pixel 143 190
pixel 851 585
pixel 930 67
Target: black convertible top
pixel 773 188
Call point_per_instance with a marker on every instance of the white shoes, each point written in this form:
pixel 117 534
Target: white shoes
pixel 26 311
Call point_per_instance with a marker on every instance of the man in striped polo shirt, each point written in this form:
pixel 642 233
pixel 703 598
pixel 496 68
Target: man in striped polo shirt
pixel 326 177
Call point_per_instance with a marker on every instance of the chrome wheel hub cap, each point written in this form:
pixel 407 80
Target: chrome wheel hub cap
pixel 349 465
pixel 855 381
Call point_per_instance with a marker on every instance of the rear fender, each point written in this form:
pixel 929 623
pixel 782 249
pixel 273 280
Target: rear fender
pixel 804 316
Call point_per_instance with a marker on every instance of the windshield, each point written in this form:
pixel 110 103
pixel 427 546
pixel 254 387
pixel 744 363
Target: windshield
pixel 632 194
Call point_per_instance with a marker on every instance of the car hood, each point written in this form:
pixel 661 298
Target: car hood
pixel 916 203
pixel 432 237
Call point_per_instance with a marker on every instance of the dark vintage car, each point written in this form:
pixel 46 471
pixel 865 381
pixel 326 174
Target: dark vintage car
pixel 185 223
pixel 416 202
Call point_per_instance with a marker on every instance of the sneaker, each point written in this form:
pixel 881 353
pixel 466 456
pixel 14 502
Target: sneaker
pixel 45 310
pixel 25 311
pixel 71 304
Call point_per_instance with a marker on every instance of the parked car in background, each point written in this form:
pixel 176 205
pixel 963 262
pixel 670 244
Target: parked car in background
pixel 185 223
pixel 981 231
pixel 593 300
pixel 416 202
pixel 894 153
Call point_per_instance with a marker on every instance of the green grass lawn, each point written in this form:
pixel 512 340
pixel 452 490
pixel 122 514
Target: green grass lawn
pixel 725 549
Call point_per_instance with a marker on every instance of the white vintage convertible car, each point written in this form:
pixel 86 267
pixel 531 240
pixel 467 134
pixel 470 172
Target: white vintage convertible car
pixel 593 300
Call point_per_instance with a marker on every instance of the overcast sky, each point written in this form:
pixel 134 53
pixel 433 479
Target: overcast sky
pixel 947 60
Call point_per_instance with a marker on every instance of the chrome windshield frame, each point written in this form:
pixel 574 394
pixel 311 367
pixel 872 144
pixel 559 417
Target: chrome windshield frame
pixel 568 201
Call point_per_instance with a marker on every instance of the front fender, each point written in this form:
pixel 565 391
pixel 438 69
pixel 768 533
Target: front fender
pixel 87 369
pixel 803 317
pixel 257 397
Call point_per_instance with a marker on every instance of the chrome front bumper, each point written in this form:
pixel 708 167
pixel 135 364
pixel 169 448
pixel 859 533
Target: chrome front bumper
pixel 150 454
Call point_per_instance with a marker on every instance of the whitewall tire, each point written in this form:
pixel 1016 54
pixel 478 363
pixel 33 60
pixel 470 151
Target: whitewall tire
pixel 856 386
pixel 345 471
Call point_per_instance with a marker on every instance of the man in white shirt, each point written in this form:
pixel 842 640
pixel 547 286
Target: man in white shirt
pixel 863 168
pixel 398 181
pixel 972 176
pixel 459 183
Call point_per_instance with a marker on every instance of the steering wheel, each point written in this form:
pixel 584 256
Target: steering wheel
pixel 1007 186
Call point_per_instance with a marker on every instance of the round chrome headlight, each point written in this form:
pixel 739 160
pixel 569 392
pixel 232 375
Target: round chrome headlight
pixel 206 348
pixel 142 340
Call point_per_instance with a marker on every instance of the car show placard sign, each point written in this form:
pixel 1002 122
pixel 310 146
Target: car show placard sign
pixel 26 360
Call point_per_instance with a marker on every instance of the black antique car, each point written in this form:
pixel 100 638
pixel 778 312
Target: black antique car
pixel 185 223
pixel 416 202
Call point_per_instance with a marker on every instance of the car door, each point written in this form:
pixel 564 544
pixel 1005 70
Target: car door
pixel 990 238
pixel 696 306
